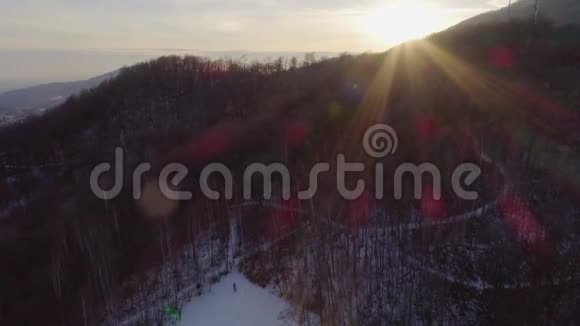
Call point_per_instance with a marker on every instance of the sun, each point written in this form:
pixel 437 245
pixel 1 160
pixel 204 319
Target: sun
pixel 403 21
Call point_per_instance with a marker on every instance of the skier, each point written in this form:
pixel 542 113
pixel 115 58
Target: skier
pixel 235 288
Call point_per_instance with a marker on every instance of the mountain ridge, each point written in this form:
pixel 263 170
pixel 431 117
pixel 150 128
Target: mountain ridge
pixel 18 104
pixel 35 97
pixel 560 12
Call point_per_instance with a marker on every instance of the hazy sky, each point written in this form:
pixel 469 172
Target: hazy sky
pixel 123 31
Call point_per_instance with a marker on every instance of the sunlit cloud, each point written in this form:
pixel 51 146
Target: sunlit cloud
pixel 261 24
pixel 221 25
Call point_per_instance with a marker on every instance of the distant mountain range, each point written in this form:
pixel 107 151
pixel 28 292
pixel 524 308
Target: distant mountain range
pixel 17 104
pixel 561 12
pixel 39 98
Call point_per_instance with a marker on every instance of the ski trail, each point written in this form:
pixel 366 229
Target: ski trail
pixel 251 305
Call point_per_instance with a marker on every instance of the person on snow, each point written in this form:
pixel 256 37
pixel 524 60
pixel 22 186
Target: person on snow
pixel 235 288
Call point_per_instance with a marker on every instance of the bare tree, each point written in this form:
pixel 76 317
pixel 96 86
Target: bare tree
pixel 536 11
pixel 533 29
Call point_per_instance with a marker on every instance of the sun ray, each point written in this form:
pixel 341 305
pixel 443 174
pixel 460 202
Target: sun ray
pixel 526 123
pixel 373 105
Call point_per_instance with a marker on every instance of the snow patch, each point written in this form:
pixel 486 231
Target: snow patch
pixel 251 305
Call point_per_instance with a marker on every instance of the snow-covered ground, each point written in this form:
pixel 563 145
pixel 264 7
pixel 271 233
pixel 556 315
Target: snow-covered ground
pixel 251 305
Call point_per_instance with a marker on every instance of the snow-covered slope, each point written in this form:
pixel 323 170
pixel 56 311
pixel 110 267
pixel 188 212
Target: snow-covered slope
pixel 249 306
pixel 560 12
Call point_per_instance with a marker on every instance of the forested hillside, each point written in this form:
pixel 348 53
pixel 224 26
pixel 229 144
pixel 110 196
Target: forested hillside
pixel 489 95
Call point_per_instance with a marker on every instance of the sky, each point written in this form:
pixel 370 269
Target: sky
pixel 63 39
